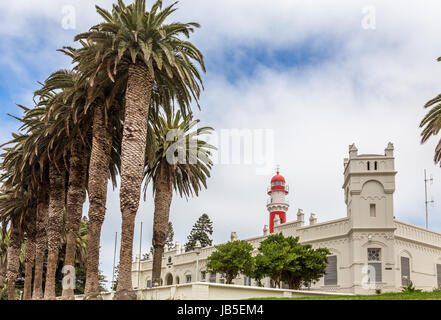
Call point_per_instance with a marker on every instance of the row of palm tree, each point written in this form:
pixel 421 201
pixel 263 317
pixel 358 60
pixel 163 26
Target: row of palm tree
pixel 124 109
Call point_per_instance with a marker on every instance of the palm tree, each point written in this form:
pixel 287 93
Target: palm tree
pixel 15 206
pixel 74 97
pixel 47 135
pixel 177 161
pixel 152 54
pixel 431 124
pixel 24 167
pixel 101 103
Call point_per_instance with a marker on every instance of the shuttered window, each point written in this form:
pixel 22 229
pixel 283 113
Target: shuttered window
pixel 374 272
pixel 331 271
pixel 438 273
pixel 405 271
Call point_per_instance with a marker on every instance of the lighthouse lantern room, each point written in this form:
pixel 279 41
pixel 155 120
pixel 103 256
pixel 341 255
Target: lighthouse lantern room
pixel 277 205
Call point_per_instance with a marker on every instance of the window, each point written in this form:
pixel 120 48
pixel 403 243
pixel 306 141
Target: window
pixel 169 259
pixel 373 210
pixel 222 281
pixel 331 271
pixel 375 165
pixel 246 281
pixel 405 271
pixel 188 278
pixel 203 275
pixel 374 254
pixel 368 165
pixel 213 277
pixel 374 267
pixel 149 283
pixel 438 273
pixel 374 272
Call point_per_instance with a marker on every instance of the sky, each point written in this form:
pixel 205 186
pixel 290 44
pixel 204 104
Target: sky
pixel 311 77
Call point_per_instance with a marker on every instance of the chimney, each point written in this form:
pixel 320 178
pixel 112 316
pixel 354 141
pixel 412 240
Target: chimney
pixel 312 219
pixel 233 236
pixel 353 151
pixel 389 151
pixel 276 220
pixel 300 217
pixel 265 230
pixel 177 247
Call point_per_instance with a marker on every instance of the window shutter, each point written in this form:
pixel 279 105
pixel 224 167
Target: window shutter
pixel 377 268
pixel 405 271
pixel 438 273
pixel 331 271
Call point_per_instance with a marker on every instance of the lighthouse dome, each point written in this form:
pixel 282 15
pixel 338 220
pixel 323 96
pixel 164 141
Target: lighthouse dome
pixel 278 178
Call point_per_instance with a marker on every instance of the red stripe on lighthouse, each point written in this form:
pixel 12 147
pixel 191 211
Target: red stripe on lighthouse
pixel 282 217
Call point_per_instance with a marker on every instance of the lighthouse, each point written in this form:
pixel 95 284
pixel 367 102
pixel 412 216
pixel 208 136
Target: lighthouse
pixel 277 204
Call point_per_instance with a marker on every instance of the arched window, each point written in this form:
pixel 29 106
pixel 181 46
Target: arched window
pixel 368 165
pixel 375 165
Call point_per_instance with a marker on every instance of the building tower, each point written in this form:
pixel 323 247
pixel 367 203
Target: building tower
pixel 369 187
pixel 277 204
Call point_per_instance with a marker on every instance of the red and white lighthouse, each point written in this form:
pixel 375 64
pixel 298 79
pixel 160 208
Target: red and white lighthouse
pixel 277 205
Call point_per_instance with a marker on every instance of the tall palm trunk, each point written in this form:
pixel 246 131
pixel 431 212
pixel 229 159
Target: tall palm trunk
pixel 13 257
pixel 76 195
pixel 4 259
pixel 30 255
pixel 163 199
pixel 3 271
pixel 54 226
pixel 98 178
pixel 138 96
pixel 40 243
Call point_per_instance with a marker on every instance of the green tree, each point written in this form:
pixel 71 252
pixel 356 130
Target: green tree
pixel 232 258
pixel 202 230
pixel 285 259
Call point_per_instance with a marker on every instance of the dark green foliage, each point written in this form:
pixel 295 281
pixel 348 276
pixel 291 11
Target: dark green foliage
pixel 232 258
pixel 202 230
pixel 285 259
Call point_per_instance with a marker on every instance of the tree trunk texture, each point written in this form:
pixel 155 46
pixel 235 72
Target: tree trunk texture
pixel 54 227
pixel 40 244
pixel 14 248
pixel 3 271
pixel 4 259
pixel 98 179
pixel 76 195
pixel 163 199
pixel 30 256
pixel 138 98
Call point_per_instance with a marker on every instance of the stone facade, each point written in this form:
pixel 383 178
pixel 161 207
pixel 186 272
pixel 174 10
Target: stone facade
pixel 370 249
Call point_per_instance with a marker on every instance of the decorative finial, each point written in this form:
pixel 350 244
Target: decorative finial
pixel 278 169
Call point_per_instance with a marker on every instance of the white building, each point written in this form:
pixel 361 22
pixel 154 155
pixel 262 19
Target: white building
pixel 370 249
